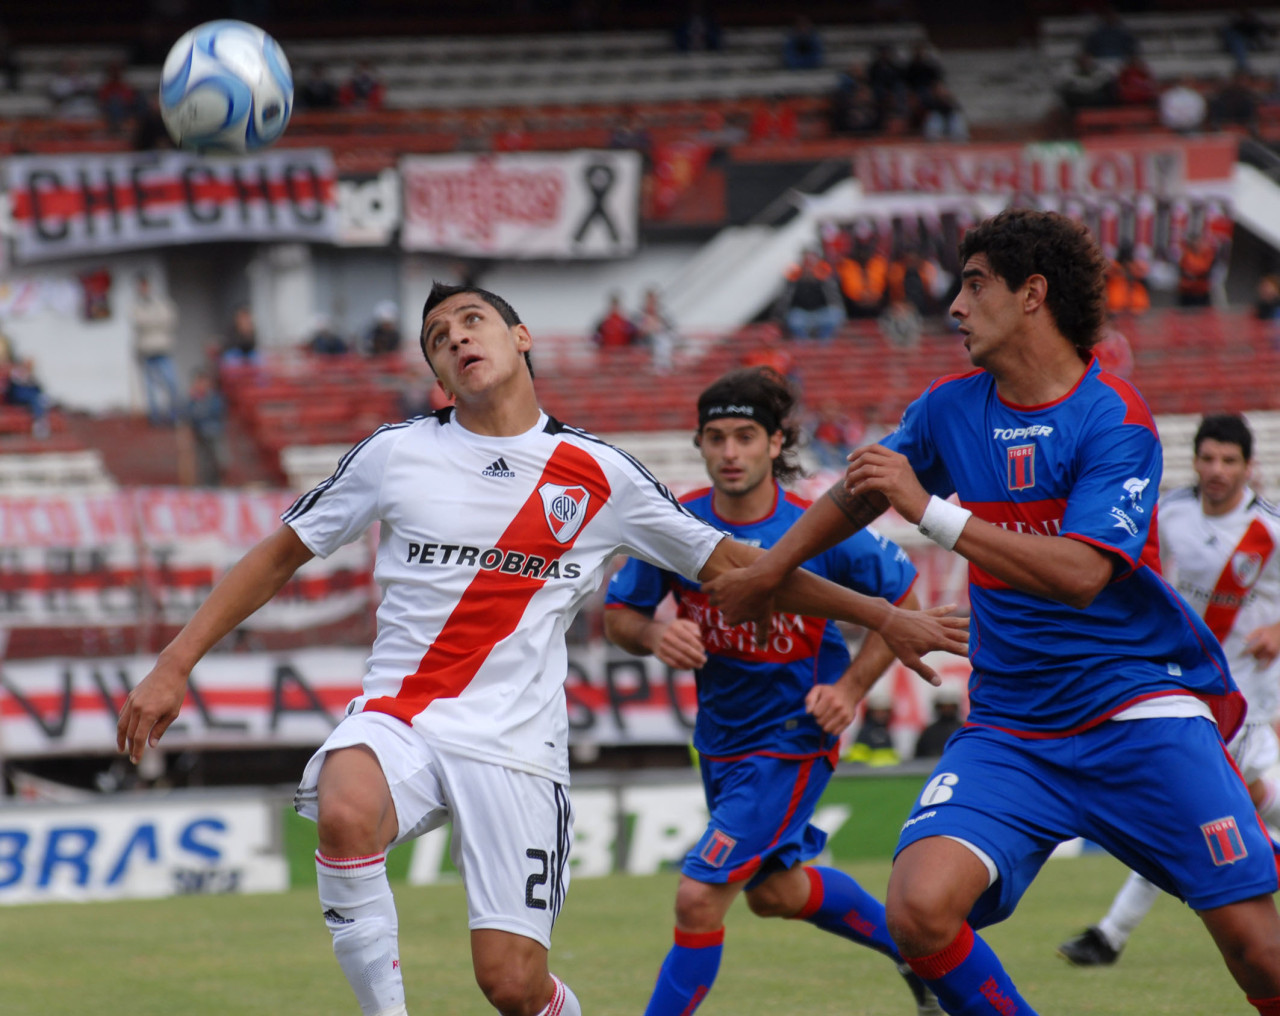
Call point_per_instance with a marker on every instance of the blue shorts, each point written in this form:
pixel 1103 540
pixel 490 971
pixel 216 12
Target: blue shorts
pixel 1161 795
pixel 760 809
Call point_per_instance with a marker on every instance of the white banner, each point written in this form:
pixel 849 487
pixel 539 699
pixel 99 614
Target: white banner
pixel 152 555
pixel 582 204
pixel 144 847
pixel 368 209
pixel 78 204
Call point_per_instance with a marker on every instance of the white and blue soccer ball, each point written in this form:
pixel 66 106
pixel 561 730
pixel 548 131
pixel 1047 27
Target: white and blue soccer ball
pixel 226 87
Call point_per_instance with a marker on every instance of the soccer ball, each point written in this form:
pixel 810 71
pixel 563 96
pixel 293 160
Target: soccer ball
pixel 226 87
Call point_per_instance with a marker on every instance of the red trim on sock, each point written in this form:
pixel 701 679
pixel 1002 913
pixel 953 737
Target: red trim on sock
pixel 816 890
pixel 1266 1006
pixel 941 963
pixel 556 1006
pixel 702 940
pixel 696 1001
pixel 347 863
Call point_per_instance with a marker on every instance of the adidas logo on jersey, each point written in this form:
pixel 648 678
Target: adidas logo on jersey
pixel 498 467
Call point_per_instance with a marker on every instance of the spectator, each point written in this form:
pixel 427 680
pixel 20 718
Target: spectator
pixel 118 100
pixel 615 330
pixel 1111 39
pixel 22 388
pixel 1235 103
pixel 1127 287
pixel 1266 306
pixel 325 340
pixel 810 305
pixel 206 417
pixel 1182 107
pixel 802 49
pixel 854 109
pixel 873 744
pixel 316 91
pixel 155 321
pixel 383 336
pixel 901 324
pixel 656 330
pixel 1246 33
pixel 946 721
pixel 771 353
pixel 240 347
pixel 885 78
pixel 830 438
pixel 699 32
pixel 913 279
pixel 773 120
pixel 1195 271
pixel 1086 84
pixel 74 94
pixel 941 118
pixel 863 276
pixel 923 71
pixel 1135 84
pixel 363 89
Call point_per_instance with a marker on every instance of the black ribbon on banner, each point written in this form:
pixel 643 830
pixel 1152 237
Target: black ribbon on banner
pixel 599 179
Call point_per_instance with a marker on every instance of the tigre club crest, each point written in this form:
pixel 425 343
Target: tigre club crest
pixel 565 509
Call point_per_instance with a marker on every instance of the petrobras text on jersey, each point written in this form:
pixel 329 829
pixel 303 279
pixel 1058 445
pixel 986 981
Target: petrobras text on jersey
pixel 511 562
pixel 1017 433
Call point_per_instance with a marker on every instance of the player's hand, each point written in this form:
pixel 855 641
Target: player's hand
pixel 678 644
pixel 741 596
pixel 912 633
pixel 875 467
pixel 149 710
pixel 833 705
pixel 1263 644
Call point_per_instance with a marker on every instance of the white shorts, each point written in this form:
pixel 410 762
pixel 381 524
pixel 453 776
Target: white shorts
pixel 511 830
pixel 1255 750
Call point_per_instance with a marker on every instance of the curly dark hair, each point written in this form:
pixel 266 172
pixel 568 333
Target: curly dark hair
pixel 1020 243
pixel 441 291
pixel 1228 428
pixel 766 388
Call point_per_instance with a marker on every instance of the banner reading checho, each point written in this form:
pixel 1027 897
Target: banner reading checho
pixel 80 204
pixel 582 204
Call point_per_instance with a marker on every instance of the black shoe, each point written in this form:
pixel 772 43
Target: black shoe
pixel 926 1003
pixel 1089 949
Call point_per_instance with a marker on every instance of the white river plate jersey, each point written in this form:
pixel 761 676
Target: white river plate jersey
pixel 487 548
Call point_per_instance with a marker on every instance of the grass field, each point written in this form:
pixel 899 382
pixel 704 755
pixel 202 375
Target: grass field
pixel 270 955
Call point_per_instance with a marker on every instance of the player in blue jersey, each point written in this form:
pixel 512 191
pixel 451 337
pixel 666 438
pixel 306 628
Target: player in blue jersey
pixel 1100 700
pixel 764 759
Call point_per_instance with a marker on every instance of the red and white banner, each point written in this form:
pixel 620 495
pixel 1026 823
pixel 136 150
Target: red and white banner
pixel 582 204
pixel 80 204
pixel 150 555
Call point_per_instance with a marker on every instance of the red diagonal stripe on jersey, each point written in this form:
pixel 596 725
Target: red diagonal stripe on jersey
pixel 494 602
pixel 1229 594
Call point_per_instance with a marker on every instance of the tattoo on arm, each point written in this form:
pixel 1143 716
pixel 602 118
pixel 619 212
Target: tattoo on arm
pixel 860 509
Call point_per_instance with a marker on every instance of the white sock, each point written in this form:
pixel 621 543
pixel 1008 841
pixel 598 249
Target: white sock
pixel 361 916
pixel 1269 806
pixel 563 1001
pixel 1132 903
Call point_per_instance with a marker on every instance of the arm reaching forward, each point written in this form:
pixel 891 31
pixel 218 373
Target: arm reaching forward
pixel 254 579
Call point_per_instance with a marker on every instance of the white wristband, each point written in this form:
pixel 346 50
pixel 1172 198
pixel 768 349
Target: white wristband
pixel 943 522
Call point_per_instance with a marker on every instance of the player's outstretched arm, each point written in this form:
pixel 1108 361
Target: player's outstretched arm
pixel 677 643
pixel 909 634
pixel 252 581
pixel 747 595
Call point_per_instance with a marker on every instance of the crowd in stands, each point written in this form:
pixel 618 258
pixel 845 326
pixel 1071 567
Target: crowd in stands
pixel 650 326
pixel 886 91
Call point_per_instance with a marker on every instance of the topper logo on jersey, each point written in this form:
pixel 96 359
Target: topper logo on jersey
pixel 1017 433
pixel 1022 466
pixel 565 509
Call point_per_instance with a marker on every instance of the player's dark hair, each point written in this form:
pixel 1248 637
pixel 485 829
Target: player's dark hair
pixel 1228 428
pixel 441 291
pixel 765 388
pixel 1020 243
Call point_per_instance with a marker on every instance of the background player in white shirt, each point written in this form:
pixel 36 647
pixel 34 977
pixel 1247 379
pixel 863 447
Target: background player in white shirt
pixel 496 522
pixel 1218 543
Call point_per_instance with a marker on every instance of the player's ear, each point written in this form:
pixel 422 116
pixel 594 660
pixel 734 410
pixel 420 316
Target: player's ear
pixel 775 443
pixel 524 339
pixel 1034 292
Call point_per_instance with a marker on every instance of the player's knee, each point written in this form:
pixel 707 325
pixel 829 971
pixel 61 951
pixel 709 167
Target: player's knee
pixel 919 920
pixel 697 911
pixel 511 990
pixel 347 826
pixel 767 900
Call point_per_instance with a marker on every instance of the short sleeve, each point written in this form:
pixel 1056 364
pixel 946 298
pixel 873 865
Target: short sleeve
pixel 655 527
pixel 637 584
pixel 873 565
pixel 1114 497
pixel 341 508
pixel 914 439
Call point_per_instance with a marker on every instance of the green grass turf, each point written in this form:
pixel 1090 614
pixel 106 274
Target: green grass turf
pixel 270 955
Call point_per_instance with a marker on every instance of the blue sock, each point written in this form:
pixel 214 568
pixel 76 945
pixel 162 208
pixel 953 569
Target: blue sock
pixel 839 905
pixel 969 980
pixel 686 974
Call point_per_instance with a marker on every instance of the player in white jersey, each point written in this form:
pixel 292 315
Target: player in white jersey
pixel 1218 544
pixel 496 522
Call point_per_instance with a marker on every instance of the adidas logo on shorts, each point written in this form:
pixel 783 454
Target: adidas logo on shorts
pixel 498 467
